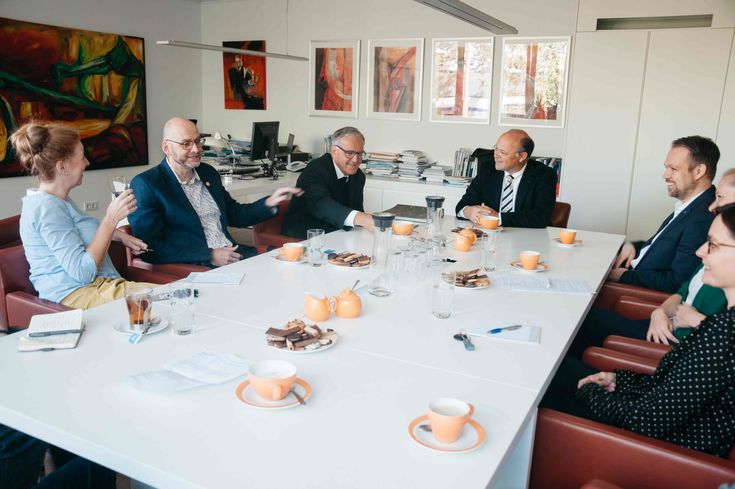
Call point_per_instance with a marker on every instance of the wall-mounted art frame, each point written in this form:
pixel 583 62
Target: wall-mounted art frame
pixel 244 76
pixel 534 83
pixel 461 80
pixel 334 74
pixel 395 68
pixel 93 82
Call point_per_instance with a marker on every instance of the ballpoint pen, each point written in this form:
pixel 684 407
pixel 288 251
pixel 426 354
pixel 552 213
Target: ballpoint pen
pixel 504 328
pixel 41 334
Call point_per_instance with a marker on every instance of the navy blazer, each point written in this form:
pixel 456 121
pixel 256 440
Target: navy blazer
pixel 168 223
pixel 324 204
pixel 534 201
pixel 671 261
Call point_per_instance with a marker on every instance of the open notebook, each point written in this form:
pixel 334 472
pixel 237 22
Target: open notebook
pixel 56 331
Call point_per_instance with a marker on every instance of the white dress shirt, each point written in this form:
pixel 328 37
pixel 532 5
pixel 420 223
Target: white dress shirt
pixel 516 182
pixel 350 219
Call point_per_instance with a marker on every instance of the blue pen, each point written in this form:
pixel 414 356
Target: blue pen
pixel 504 328
pixel 42 334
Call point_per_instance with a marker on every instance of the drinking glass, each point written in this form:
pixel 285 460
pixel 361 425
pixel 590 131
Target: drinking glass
pixel 315 239
pixel 181 301
pixel 396 268
pixel 118 185
pixel 442 297
pixel 138 300
pixel 488 252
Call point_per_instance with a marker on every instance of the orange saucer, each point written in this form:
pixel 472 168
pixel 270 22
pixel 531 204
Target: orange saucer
pixel 541 267
pixel 247 394
pixel 472 438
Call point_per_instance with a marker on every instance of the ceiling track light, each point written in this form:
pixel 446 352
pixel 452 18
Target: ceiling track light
pixel 221 49
pixel 467 13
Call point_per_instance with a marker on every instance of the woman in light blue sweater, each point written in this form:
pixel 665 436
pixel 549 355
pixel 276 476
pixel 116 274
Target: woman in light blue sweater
pixel 66 248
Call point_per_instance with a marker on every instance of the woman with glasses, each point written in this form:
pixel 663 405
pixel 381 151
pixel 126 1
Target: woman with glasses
pixel 690 399
pixel 66 248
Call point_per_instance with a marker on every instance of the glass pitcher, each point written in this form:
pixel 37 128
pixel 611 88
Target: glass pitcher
pixel 381 284
pixel 434 215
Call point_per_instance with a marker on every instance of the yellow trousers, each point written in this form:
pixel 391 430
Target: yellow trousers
pixel 101 291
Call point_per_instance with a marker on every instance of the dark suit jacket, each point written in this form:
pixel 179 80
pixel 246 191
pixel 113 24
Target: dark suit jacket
pixel 168 223
pixel 323 205
pixel 534 201
pixel 671 260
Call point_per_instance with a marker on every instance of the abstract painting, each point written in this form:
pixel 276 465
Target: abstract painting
pixel 462 79
pixel 93 82
pixel 333 78
pixel 394 78
pixel 244 76
pixel 534 81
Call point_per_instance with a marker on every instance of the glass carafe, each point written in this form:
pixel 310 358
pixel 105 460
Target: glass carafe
pixel 381 284
pixel 434 215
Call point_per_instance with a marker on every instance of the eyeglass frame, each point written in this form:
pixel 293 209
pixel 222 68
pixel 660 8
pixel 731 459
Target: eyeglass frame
pixel 504 152
pixel 199 142
pixel 711 242
pixel 352 154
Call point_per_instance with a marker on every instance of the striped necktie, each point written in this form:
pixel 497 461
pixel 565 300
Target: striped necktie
pixel 506 199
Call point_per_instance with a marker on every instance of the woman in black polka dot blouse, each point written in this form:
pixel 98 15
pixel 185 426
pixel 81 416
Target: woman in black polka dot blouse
pixel 690 399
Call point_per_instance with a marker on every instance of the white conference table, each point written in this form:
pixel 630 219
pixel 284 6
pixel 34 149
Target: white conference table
pixel 381 374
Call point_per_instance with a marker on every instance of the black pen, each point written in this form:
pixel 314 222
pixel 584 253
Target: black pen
pixel 41 334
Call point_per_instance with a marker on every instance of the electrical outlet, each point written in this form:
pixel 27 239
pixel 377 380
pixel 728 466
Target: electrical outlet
pixel 91 205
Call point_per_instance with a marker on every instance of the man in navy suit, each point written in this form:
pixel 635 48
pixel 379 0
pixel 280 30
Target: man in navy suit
pixel 183 209
pixel 667 259
pixel 521 192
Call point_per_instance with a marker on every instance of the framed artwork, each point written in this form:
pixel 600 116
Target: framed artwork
pixel 461 80
pixel 394 79
pixel 93 82
pixel 534 81
pixel 334 71
pixel 244 76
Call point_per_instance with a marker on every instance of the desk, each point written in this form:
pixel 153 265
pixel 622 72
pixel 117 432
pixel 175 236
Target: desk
pixel 381 374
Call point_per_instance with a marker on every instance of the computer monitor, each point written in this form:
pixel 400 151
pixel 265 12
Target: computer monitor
pixel 264 141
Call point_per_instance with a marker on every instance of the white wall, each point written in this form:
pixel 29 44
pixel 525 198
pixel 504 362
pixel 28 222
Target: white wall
pixel 287 81
pixel 173 76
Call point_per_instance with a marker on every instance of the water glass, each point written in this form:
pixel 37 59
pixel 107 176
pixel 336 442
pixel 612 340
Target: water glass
pixel 118 185
pixel 138 300
pixel 488 253
pixel 442 297
pixel 315 242
pixel 396 268
pixel 181 301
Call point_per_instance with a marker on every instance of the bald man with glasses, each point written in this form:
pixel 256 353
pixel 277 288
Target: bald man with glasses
pixel 333 189
pixel 521 192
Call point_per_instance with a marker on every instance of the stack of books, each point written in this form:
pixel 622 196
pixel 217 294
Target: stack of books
pixel 412 164
pixel 382 164
pixel 452 181
pixel 464 164
pixel 436 173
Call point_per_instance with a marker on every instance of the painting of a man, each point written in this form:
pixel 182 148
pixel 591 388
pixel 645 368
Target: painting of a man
pixel 245 80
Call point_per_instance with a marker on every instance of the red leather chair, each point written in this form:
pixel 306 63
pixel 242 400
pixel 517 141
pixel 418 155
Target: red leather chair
pixel 268 233
pixel 560 216
pixel 611 292
pixel 569 452
pixel 19 301
pixel 177 270
pixel 10 231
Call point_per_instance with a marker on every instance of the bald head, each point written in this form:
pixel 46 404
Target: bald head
pixel 176 126
pixel 181 144
pixel 512 150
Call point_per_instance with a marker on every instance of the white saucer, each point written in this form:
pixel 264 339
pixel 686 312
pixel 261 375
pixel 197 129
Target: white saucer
pixel 473 437
pixel 125 328
pixel 246 393
pixel 541 267
pixel 282 259
pixel 577 242
pixel 498 229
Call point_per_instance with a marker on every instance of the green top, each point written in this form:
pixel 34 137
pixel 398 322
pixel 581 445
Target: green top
pixel 709 300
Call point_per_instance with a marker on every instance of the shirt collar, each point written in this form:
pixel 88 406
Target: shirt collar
pixel 517 174
pixel 193 180
pixel 339 172
pixel 680 206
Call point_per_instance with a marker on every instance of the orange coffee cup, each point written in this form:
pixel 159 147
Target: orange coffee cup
pixel 272 379
pixel 319 308
pixel 470 234
pixel 489 222
pixel 292 251
pixel 462 243
pixel 567 236
pixel 447 417
pixel 402 228
pixel 530 259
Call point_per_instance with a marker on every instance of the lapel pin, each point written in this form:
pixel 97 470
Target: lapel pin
pixel 206 183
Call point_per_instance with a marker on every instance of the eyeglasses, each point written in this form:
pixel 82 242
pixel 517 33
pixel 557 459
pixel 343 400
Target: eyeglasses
pixel 502 152
pixel 188 144
pixel 712 244
pixel 361 155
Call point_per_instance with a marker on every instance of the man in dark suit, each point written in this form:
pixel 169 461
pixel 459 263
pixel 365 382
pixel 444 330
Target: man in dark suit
pixel 521 192
pixel 183 209
pixel 667 259
pixel 332 185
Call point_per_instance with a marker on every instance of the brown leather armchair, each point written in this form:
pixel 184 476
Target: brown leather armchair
pixel 177 270
pixel 638 348
pixel 268 233
pixel 10 231
pixel 611 292
pixel 606 360
pixel 560 214
pixel 569 452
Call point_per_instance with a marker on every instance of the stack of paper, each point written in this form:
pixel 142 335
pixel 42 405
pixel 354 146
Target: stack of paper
pixel 56 331
pixel 412 164
pixel 232 278
pixel 436 173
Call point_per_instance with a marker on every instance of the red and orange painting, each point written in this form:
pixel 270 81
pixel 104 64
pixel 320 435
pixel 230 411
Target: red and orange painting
pixel 91 81
pixel 244 76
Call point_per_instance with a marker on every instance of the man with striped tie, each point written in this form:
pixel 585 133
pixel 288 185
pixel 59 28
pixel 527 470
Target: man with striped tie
pixel 521 192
